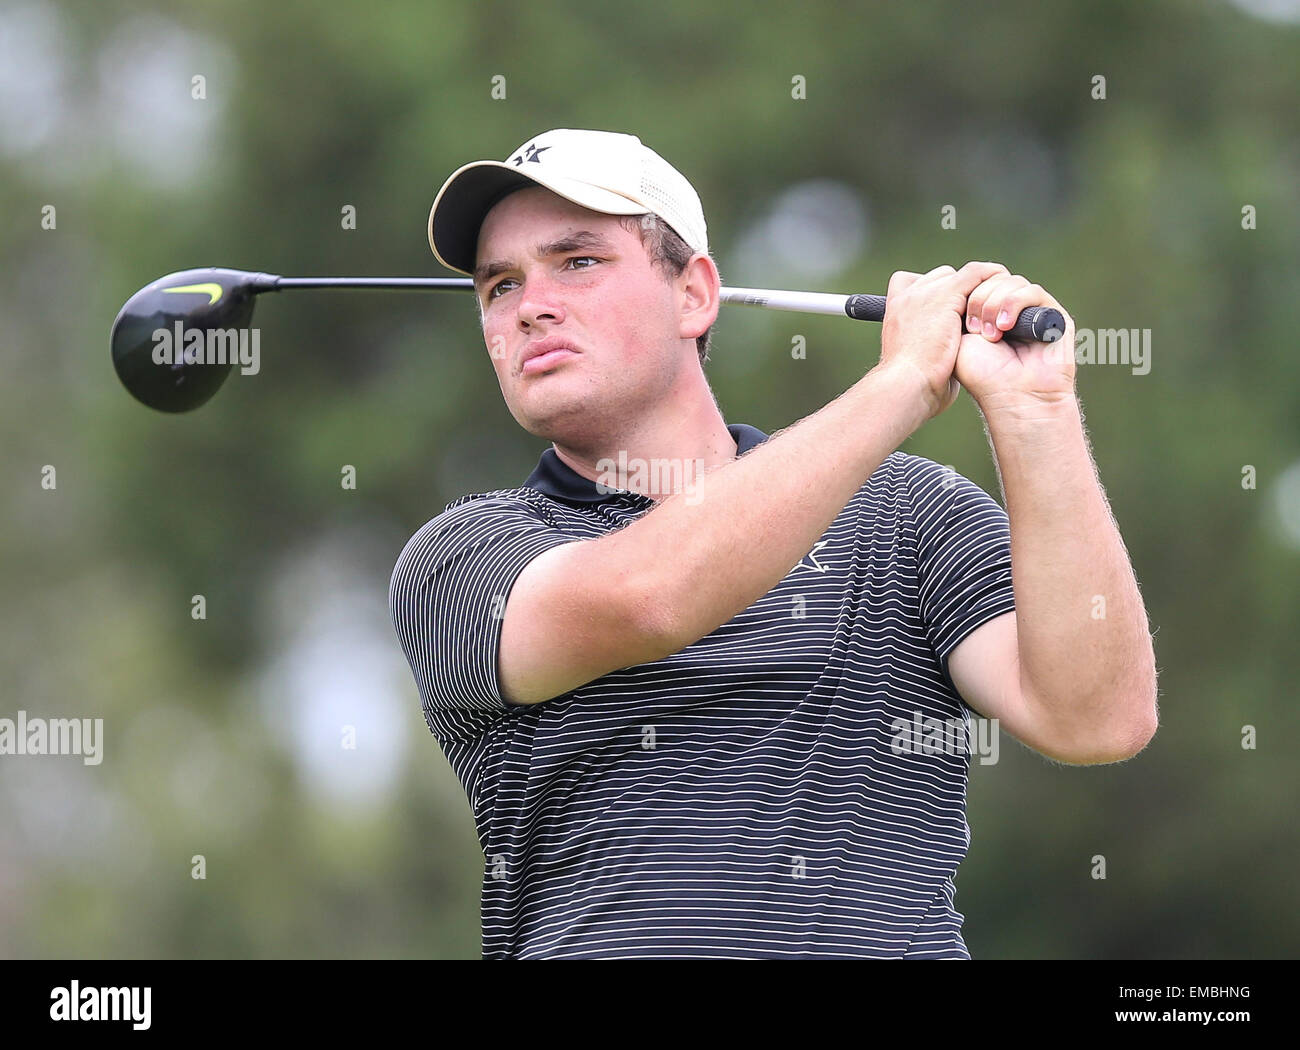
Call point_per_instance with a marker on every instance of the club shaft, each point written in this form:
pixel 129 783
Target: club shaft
pixel 774 299
pixel 805 302
pixel 1035 322
pixel 446 284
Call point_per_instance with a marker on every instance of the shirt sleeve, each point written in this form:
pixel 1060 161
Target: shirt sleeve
pixel 963 540
pixel 448 596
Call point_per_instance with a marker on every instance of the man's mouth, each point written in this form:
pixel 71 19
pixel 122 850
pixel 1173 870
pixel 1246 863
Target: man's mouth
pixel 546 359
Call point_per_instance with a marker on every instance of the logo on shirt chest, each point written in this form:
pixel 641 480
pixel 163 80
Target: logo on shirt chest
pixel 811 561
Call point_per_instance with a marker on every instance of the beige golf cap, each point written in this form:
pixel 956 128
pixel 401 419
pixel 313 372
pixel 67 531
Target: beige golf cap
pixel 602 170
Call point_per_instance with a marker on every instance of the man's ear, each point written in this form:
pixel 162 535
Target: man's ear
pixel 699 293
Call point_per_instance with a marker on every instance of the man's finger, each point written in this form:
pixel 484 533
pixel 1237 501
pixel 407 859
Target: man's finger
pixel 1018 299
pixel 941 271
pixel 984 303
pixel 973 274
pixel 900 281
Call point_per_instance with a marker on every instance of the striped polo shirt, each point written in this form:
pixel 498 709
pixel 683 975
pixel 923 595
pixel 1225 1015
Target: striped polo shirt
pixel 758 794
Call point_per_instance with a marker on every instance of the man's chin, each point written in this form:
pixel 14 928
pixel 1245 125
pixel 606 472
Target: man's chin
pixel 549 418
pixel 563 423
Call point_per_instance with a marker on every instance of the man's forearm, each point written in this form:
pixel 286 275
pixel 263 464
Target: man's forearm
pixel 1086 657
pixel 710 553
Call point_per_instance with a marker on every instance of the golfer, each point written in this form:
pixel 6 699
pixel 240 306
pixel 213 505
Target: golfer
pixel 704 686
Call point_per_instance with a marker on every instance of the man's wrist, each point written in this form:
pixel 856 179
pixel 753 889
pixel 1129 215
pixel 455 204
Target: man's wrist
pixel 1013 410
pixel 909 387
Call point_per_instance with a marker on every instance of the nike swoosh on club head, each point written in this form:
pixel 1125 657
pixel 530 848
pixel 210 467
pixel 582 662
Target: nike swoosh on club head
pixel 212 291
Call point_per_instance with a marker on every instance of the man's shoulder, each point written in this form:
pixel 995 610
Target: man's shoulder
pixel 500 501
pixel 923 477
pixel 510 503
pixel 478 515
pixel 924 492
pixel 907 474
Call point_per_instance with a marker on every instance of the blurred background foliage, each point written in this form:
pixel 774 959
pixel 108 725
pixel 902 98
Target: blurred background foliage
pixel 223 735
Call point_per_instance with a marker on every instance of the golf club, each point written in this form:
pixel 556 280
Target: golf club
pixel 217 301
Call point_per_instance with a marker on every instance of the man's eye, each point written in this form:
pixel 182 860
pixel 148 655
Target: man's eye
pixel 492 292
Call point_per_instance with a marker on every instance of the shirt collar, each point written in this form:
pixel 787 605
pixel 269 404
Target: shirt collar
pixel 556 478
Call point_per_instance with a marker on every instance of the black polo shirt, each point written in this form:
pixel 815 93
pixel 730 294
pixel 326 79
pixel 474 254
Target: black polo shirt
pixel 751 795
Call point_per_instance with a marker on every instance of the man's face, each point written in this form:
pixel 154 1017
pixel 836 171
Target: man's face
pixel 551 272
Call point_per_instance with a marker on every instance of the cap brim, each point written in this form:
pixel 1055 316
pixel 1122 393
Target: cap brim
pixel 474 190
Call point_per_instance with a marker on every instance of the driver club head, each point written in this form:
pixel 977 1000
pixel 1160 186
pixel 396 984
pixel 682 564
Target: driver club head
pixel 175 341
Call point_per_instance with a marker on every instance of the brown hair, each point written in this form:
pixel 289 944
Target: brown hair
pixel 669 252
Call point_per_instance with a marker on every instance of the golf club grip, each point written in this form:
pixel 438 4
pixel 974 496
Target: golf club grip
pixel 1036 324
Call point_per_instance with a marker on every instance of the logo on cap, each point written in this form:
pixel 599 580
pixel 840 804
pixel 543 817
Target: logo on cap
pixel 531 153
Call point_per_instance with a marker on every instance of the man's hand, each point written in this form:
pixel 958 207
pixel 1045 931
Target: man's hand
pixel 924 320
pixel 1000 373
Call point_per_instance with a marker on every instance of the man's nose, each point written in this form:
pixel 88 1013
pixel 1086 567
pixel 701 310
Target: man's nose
pixel 540 301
